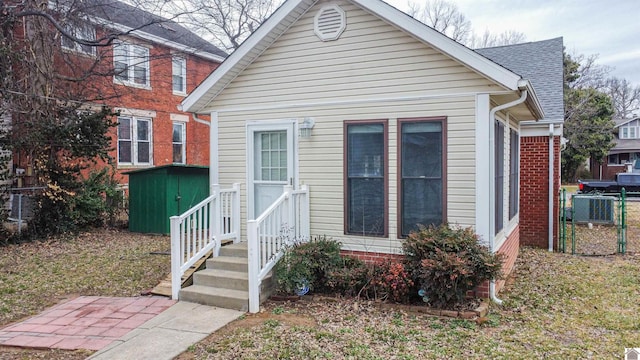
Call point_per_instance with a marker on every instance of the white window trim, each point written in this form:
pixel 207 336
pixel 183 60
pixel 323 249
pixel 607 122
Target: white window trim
pixel 184 141
pixel 130 68
pixel 134 142
pixel 184 75
pixel 76 30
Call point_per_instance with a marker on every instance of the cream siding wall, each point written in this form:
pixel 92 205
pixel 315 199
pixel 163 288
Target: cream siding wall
pixel 300 76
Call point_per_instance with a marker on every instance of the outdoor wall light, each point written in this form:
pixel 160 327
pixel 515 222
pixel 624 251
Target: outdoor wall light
pixel 305 127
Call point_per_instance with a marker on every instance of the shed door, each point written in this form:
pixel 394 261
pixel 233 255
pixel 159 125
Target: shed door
pixel 271 164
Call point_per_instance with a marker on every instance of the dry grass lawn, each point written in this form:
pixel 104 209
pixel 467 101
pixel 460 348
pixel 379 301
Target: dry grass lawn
pixel 556 306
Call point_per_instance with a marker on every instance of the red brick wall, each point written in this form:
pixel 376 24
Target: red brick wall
pixel 534 191
pixel 101 88
pixel 371 257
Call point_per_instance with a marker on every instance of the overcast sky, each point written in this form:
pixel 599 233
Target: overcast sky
pixel 610 29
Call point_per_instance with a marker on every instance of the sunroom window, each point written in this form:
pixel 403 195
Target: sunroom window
pixel 366 178
pixel 421 174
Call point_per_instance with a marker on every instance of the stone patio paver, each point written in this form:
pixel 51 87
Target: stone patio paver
pixel 86 322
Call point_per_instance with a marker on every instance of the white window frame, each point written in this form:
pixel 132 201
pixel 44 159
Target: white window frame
pixel 183 143
pixel 133 137
pixel 83 31
pixel 183 74
pixel 131 61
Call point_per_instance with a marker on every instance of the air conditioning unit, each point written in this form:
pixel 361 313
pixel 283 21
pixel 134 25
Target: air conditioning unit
pixel 594 209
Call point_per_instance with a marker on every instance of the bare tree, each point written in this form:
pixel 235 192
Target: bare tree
pixel 489 39
pixel 227 23
pixel 625 98
pixel 443 16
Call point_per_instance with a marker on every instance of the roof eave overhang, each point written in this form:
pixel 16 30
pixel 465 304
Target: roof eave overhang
pixel 199 101
pixel 157 39
pixel 245 54
pixel 533 102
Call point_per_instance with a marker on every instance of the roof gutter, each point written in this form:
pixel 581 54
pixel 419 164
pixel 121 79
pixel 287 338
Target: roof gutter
pixel 492 189
pixel 533 103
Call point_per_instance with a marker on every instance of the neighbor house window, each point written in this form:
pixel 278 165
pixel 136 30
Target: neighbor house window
pixel 366 178
pixel 514 173
pixel 178 142
pixel 630 130
pixel 421 173
pixel 134 141
pixel 131 64
pixel 81 31
pixel 499 175
pixel 179 66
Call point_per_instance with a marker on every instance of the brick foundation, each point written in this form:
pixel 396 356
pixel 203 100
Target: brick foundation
pixel 510 248
pixel 371 257
pixel 534 191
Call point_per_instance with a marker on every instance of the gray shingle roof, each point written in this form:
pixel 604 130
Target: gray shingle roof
pixel 133 17
pixel 540 62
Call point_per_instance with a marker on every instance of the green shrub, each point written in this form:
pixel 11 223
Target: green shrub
pixel 311 262
pixel 90 202
pixel 446 262
pixel 351 279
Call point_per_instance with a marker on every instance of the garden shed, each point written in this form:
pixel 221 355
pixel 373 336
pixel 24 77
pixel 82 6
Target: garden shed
pixel 156 194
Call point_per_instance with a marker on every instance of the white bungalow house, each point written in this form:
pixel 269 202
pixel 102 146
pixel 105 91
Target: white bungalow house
pixel 377 123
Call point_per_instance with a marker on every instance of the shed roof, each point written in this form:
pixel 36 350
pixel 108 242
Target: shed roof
pixel 542 63
pixel 169 167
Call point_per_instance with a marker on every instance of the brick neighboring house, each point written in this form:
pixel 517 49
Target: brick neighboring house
pixel 624 154
pixel 151 68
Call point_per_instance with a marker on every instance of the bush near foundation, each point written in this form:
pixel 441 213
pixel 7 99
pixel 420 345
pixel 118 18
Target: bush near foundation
pixel 446 262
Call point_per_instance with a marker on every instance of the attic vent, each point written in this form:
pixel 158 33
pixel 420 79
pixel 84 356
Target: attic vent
pixel 330 22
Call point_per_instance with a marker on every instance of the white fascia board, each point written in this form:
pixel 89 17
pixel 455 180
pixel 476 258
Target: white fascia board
pixel 443 43
pixel 157 39
pixel 239 54
pixel 532 98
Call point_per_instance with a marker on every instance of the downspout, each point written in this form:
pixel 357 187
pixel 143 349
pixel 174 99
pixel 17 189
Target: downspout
pixel 551 175
pixel 213 135
pixel 492 190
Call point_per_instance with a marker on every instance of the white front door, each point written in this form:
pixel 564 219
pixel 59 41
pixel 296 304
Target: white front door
pixel 271 163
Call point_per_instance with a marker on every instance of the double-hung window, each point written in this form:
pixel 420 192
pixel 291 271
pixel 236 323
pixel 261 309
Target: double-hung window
pixel 178 142
pixel 134 141
pixel 421 173
pixel 514 173
pixel 179 78
pixel 366 178
pixel 499 175
pixel 131 64
pixel 81 31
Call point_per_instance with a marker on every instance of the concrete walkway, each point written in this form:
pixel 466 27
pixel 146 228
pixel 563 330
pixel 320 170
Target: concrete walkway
pixel 169 334
pixel 119 328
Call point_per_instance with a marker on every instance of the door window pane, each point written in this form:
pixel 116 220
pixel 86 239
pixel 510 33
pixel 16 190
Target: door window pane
pixel 421 171
pixel 365 179
pixel 271 156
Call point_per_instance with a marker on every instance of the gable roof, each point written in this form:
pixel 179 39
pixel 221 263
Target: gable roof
pixel 289 12
pixel 540 62
pixel 620 122
pixel 124 17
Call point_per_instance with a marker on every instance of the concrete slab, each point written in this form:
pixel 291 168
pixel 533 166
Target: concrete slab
pixel 169 334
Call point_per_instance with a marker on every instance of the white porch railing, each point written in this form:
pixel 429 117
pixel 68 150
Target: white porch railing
pixel 202 229
pixel 285 221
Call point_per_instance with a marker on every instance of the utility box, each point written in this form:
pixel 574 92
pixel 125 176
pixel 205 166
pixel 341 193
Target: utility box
pixel 597 209
pixel 158 193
